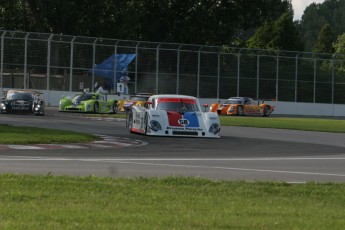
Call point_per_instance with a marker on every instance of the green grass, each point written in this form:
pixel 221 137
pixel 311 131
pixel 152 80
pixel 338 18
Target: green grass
pixel 310 124
pixel 30 135
pixel 49 202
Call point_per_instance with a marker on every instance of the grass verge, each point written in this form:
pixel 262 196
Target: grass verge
pixel 308 124
pixel 50 202
pixel 31 135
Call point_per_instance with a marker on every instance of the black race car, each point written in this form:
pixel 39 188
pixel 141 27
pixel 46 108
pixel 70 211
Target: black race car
pixel 21 101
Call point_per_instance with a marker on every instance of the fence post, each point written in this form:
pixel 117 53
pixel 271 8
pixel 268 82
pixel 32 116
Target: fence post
pixel 257 75
pixel 93 64
pixel 157 67
pixel 71 65
pixel 2 59
pixel 277 77
pixel 198 74
pixel 48 60
pixel 238 71
pixel 314 92
pixel 115 59
pixel 333 57
pixel 136 68
pixel 178 69
pixel 296 76
pixel 218 75
pixel 26 83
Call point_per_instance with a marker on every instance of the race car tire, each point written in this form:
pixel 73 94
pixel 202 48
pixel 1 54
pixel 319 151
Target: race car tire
pixel 115 107
pixel 146 122
pixel 95 108
pixel 267 111
pixel 129 120
pixel 240 111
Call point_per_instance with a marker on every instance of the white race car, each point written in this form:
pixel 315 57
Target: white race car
pixel 173 115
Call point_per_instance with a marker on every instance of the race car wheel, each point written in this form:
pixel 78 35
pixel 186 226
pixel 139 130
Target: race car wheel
pixel 267 111
pixel 115 107
pixel 240 111
pixel 95 108
pixel 146 122
pixel 129 120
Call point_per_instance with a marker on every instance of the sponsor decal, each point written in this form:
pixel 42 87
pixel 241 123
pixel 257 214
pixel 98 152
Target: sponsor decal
pixel 184 128
pixel 188 119
pixel 183 122
pixel 184 100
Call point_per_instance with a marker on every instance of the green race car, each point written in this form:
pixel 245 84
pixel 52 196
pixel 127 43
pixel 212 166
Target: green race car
pixel 88 102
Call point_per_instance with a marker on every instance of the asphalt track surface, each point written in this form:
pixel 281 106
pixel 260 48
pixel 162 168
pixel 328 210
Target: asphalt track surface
pixel 252 154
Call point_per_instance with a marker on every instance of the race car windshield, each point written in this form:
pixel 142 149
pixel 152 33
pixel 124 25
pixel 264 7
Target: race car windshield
pixel 20 96
pixel 233 101
pixel 179 105
pixel 137 98
pixel 85 97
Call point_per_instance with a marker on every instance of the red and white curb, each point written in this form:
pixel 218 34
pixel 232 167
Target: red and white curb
pixel 105 143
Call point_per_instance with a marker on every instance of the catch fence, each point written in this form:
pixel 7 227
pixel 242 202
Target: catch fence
pixel 60 62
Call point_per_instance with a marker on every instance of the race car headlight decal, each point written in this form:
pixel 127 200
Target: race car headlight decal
pixel 155 126
pixel 88 107
pixel 214 128
pixel 231 108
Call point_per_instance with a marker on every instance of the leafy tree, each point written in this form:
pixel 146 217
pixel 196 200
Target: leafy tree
pixel 209 22
pixel 316 16
pixel 280 35
pixel 324 42
pixel 262 37
pixel 285 34
pixel 339 47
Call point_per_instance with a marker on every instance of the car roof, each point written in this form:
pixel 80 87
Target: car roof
pixel 240 98
pixel 172 96
pixel 21 91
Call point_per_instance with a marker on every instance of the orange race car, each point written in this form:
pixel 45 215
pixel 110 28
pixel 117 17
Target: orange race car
pixel 242 106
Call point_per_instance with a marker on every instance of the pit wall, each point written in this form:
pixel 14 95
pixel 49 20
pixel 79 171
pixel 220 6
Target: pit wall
pixel 281 108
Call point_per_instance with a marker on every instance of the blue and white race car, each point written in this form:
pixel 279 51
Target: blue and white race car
pixel 173 115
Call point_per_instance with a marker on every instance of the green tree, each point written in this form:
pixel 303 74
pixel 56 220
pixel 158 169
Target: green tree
pixel 339 47
pixel 316 16
pixel 209 22
pixel 262 37
pixel 324 42
pixel 279 35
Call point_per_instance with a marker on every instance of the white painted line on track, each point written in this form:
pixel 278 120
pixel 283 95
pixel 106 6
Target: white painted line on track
pixel 135 162
pixel 235 169
pixel 23 147
pixel 3 157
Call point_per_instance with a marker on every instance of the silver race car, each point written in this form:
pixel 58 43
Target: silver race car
pixel 173 115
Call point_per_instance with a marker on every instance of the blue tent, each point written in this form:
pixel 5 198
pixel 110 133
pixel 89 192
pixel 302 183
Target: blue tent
pixel 107 67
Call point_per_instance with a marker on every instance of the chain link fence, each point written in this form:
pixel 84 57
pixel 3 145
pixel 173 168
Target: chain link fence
pixel 60 62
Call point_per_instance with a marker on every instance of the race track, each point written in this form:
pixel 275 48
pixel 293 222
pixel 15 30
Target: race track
pixel 240 154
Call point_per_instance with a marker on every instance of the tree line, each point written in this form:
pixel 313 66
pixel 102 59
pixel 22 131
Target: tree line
pixel 262 24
